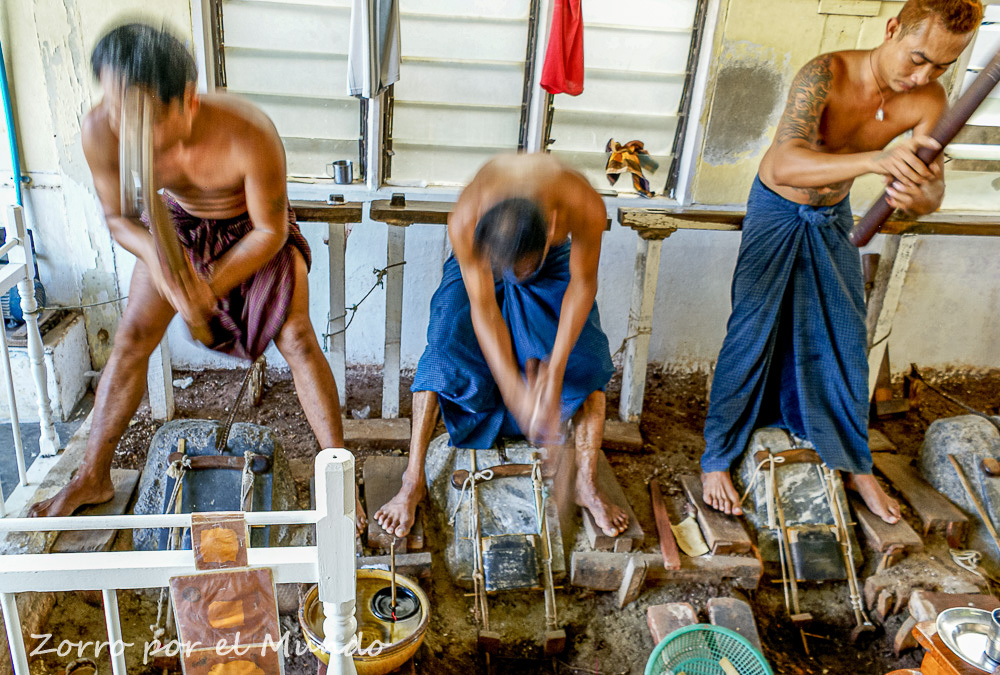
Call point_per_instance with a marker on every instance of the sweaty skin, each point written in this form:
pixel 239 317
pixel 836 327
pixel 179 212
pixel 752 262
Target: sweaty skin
pixel 218 157
pixel 574 211
pixel 829 135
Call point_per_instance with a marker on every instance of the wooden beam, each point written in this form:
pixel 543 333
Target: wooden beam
pixel 430 213
pixel 884 300
pixel 336 339
pixel 395 251
pixel 724 534
pixel 629 540
pixel 881 535
pixel 668 545
pixel 604 570
pixel 160 382
pixel 324 212
pixel 622 436
pixel 640 326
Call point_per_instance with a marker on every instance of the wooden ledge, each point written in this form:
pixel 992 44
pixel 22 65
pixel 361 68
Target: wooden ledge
pixel 659 223
pixel 429 213
pixel 324 212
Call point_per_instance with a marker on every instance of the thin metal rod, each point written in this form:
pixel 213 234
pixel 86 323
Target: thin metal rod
pixel 975 501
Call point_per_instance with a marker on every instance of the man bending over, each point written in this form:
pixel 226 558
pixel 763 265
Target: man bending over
pixel 514 344
pixel 795 351
pixel 222 167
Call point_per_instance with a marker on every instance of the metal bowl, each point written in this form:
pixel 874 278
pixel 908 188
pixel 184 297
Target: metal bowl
pixel 401 639
pixel 965 630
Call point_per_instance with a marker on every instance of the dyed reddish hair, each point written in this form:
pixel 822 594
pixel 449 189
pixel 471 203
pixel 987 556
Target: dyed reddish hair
pixel 957 16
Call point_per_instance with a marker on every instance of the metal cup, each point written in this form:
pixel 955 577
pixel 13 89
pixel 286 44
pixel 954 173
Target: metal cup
pixel 342 171
pixel 993 638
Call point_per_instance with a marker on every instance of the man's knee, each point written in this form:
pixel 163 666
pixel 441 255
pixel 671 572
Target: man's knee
pixel 137 338
pixel 297 338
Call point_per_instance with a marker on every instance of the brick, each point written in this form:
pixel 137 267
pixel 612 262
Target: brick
pixel 665 619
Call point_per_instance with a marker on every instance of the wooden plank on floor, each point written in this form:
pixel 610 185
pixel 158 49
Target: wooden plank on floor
pixel 377 434
pixel 881 535
pixel 879 442
pixel 629 540
pixel 93 541
pixel 725 535
pixel 383 477
pixel 668 545
pixel 936 512
pixel 666 618
pixel 604 570
pixel 622 436
pixel 735 615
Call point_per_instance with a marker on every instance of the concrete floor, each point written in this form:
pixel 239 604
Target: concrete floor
pixel 29 438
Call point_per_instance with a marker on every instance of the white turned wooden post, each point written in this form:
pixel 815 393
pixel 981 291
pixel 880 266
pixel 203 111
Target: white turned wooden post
pixel 160 382
pixel 336 343
pixel 48 442
pixel 15 638
pixel 884 299
pixel 640 322
pixel 15 424
pixel 335 553
pixel 116 645
pixel 395 250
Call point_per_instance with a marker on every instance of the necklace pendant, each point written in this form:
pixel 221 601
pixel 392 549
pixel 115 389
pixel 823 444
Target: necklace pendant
pixel 880 114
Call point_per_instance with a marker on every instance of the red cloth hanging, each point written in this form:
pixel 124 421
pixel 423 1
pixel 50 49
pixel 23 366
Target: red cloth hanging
pixel 563 69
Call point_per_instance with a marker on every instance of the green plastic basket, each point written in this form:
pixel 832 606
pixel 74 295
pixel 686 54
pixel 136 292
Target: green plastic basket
pixel 697 650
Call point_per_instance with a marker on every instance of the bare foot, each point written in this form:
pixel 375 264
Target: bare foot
pixel 875 498
pixel 81 491
pixel 720 493
pixel 610 517
pixel 397 515
pixel 360 521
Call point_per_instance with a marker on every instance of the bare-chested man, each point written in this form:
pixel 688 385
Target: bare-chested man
pixel 514 342
pixel 795 352
pixel 222 165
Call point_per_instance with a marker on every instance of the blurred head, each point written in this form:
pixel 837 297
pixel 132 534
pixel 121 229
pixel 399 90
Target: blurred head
pixel 153 59
pixel 513 234
pixel 926 38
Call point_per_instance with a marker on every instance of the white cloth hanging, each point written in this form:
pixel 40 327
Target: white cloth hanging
pixel 373 53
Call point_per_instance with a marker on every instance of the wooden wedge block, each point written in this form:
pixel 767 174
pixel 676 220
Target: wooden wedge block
pixel 725 535
pixel 383 477
pixel 936 512
pixel 735 615
pixel 666 618
pixel 882 536
pixel 668 545
pixel 622 436
pixel 879 442
pixel 632 580
pixel 629 540
pixel 605 570
pixel 91 541
pixel 377 434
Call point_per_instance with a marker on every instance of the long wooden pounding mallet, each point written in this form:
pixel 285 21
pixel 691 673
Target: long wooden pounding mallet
pixel 946 129
pixel 138 189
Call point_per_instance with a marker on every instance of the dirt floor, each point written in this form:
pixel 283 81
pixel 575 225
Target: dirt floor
pixel 602 639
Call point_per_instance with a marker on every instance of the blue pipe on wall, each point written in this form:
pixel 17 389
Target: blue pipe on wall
pixel 8 110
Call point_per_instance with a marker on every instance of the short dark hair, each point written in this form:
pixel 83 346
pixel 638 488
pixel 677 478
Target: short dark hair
pixel 147 56
pixel 510 231
pixel 957 16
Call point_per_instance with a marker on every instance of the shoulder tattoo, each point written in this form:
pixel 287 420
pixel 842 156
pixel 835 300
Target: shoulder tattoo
pixel 805 102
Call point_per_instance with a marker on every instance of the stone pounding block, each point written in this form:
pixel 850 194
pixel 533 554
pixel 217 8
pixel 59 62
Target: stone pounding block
pixel 506 505
pixel 971 439
pixel 200 436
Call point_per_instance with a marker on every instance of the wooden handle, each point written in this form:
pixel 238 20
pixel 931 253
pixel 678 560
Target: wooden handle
pixel 975 501
pixel 945 130
pixel 990 467
pixel 791 456
pixel 500 471
pixel 259 464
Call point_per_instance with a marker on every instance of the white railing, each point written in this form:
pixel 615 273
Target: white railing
pixel 20 271
pixel 330 563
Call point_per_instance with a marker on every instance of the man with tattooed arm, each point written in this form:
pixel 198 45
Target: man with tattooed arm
pixel 795 352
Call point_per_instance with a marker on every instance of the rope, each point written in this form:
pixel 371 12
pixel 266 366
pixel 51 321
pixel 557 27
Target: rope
pixel 246 487
pixel 176 470
pixel 353 309
pixel 484 475
pixel 771 460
